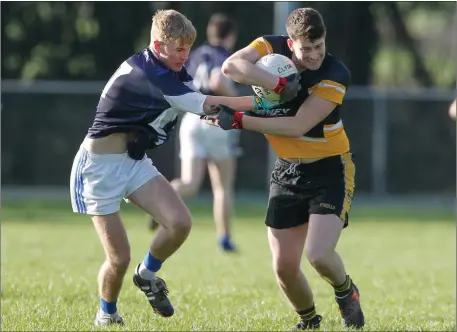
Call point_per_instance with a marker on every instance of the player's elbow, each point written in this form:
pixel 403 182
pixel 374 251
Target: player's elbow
pixel 298 129
pixel 296 132
pixel 290 131
pixel 228 68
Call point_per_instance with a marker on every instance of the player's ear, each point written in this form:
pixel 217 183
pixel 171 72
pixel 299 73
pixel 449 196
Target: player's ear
pixel 156 45
pixel 290 43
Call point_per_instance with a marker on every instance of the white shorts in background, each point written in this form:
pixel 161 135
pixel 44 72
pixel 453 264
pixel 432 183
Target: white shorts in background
pixel 200 140
pixel 99 182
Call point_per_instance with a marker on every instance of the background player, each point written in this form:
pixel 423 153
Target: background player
pixel 452 109
pixel 137 110
pixel 312 185
pixel 204 145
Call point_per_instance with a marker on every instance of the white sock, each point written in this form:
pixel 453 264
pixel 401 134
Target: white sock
pixel 145 273
pixel 107 314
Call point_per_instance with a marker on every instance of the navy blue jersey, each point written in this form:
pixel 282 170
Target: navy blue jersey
pixel 144 97
pixel 202 61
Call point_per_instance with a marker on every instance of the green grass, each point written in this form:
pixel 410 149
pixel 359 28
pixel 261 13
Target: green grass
pixel 403 262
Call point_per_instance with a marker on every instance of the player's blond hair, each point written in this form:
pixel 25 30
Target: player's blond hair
pixel 172 26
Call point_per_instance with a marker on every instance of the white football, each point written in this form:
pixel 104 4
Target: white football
pixel 275 64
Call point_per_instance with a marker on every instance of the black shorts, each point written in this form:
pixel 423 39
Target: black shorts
pixel 298 190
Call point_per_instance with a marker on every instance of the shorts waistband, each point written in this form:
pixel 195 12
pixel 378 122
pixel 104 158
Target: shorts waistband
pixel 110 158
pixel 300 160
pixel 316 165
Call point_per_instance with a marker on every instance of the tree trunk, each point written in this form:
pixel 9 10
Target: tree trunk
pixel 420 70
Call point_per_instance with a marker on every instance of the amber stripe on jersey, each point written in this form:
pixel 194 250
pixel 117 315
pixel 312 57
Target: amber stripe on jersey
pixel 329 90
pixel 262 45
pixel 349 176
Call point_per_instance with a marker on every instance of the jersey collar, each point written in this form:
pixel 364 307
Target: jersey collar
pixel 155 59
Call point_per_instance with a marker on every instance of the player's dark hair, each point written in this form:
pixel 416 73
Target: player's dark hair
pixel 305 23
pixel 220 26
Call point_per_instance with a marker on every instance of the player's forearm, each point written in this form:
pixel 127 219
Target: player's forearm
pixel 235 103
pixel 280 126
pixel 244 72
pixel 312 112
pixel 201 104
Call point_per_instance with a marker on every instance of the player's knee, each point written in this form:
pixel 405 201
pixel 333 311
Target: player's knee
pixel 286 268
pixel 180 223
pixel 317 257
pixel 121 261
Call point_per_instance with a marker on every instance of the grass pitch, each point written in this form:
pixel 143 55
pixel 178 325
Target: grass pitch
pixel 404 263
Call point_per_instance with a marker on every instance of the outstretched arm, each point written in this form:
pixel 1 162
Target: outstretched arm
pixel 237 103
pixel 183 95
pixel 324 98
pixel 312 111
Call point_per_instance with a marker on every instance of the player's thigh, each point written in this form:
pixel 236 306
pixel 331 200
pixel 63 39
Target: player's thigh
pixel 323 234
pixel 328 216
pixel 222 173
pixel 157 198
pixel 286 246
pixel 330 205
pixel 113 237
pixel 335 189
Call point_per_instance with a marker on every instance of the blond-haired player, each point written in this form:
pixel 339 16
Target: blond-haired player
pixel 137 110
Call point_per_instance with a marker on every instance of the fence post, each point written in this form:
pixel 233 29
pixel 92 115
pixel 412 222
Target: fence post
pixel 379 144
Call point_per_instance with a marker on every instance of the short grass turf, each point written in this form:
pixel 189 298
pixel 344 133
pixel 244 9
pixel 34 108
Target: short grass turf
pixel 403 261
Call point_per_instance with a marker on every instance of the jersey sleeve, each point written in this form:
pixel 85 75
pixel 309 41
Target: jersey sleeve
pixel 262 45
pixel 269 44
pixel 334 85
pixel 179 91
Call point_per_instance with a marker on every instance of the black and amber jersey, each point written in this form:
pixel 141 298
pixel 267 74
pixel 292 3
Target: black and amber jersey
pixel 329 82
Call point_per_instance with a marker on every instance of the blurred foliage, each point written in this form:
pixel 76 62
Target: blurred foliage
pixel 88 40
pixel 427 45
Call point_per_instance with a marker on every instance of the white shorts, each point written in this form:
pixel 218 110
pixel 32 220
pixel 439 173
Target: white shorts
pixel 99 182
pixel 200 140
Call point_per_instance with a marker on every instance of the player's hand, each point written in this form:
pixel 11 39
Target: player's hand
pixel 226 119
pixel 288 87
pixel 213 109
